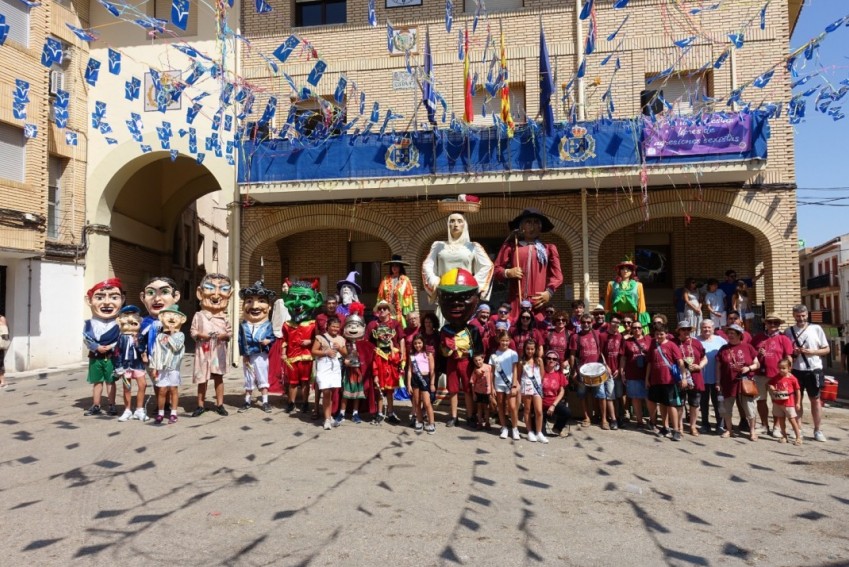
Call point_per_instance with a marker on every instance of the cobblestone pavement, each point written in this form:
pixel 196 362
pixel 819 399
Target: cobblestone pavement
pixel 272 489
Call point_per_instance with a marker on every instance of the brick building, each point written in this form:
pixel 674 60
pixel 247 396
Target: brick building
pixel 42 184
pixel 703 218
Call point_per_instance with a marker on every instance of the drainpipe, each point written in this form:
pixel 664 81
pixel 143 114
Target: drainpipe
pixel 733 67
pixel 585 245
pixel 235 228
pixel 29 314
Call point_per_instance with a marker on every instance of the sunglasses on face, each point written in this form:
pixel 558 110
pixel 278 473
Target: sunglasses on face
pixel 383 309
pixel 773 322
pixel 525 318
pixel 627 322
pixel 503 312
pixel 552 359
pixel 564 319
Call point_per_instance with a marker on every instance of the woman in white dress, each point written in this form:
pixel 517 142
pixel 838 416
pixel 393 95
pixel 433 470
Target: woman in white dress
pixel 457 252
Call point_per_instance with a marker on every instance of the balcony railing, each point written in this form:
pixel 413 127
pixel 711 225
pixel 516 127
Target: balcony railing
pixel 824 280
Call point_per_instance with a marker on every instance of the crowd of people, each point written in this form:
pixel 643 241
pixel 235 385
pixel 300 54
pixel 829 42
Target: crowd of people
pixel 617 365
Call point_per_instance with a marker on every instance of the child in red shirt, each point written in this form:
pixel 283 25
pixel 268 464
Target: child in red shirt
pixel 483 389
pixel 786 401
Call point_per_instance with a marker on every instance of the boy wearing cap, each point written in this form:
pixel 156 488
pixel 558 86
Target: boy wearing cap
pixel 531 267
pixel 165 361
pixel 458 296
pixel 100 335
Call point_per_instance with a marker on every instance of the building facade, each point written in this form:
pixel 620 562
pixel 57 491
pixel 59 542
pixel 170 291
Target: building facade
pixel 824 280
pixel 696 218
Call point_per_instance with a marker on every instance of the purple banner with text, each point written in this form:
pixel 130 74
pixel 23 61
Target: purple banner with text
pixel 715 134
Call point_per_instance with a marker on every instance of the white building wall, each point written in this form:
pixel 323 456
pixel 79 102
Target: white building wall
pixel 46 318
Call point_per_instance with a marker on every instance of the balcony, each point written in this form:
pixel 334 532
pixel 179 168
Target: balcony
pixel 821 281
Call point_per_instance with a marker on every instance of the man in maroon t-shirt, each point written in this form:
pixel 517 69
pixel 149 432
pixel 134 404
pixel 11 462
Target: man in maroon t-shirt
pixel 584 348
pixel 773 346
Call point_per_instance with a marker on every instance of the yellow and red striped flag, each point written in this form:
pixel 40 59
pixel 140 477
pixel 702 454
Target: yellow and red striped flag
pixel 468 104
pixel 506 116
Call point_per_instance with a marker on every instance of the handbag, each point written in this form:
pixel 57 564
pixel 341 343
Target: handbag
pixel 749 388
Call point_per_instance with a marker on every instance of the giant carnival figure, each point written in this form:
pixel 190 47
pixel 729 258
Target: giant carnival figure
pixel 458 251
pixel 302 301
pixel 625 295
pixel 100 335
pixel 158 293
pixel 531 267
pixel 212 332
pixel 458 294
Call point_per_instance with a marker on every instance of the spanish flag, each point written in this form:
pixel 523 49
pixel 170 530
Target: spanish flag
pixel 468 104
pixel 506 117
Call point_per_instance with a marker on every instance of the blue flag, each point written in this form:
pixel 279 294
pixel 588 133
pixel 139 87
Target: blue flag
pixel 4 29
pixel 449 15
pixel 180 13
pixel 428 99
pixel 317 72
pixel 114 62
pixel 546 85
pixel 51 53
pixel 285 49
pixel 372 14
pixel 92 71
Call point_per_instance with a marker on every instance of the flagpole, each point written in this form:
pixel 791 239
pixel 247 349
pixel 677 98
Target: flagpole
pixel 467 93
pixel 506 78
pixel 544 137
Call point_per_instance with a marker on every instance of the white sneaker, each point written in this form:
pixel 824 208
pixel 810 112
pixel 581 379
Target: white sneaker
pixel 532 437
pixel 126 415
pixel 776 432
pixel 504 433
pixel 819 436
pixel 328 424
pixel 542 438
pixel 140 415
pixel 516 436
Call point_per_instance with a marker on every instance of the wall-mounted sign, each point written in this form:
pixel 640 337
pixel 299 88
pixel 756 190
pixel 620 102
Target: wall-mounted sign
pixel 402 81
pixel 405 39
pixel 402 3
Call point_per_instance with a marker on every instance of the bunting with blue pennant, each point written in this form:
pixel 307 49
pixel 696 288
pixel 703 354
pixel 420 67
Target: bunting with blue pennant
pixel 180 13
pixel 92 71
pixel 51 53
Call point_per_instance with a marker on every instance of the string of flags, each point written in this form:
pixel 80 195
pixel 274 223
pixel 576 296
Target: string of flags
pixel 313 119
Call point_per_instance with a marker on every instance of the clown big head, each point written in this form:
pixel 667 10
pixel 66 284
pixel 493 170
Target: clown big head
pixel 106 298
pixel 302 300
pixel 256 302
pixel 214 293
pixel 458 296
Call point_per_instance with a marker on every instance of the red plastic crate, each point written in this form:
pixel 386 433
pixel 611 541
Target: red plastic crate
pixel 829 392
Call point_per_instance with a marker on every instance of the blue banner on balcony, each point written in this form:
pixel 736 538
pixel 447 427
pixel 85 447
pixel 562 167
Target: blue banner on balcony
pixel 446 152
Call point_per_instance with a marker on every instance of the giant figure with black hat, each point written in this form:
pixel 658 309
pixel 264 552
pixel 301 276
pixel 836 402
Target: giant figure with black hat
pixel 458 294
pixel 397 289
pixel 531 267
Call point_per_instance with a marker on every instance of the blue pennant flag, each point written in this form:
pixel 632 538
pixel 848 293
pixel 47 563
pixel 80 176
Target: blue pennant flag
pixel 197 72
pixel 696 11
pixel 721 59
pixel 291 82
pixel 99 108
pixel 262 7
pixel 270 110
pixel 84 35
pixel 226 93
pixel 174 154
pixel 449 15
pixel 105 128
pixel 180 13
pixel 71 138
pixel 339 94
pixel 114 62
pixel 764 79
pixel 317 72
pixel 546 85
pixel 285 49
pixel 132 88
pixel 51 53
pixel 619 4
pixel 21 93
pixel 166 128
pixel 736 39
pixel 111 141
pixel 92 71
pixel 62 99
pixel 200 157
pixel 390 36
pixel 60 117
pixel 193 138
pixel 146 149
pixel 478 13
pixel 588 7
pixel 362 102
pixel 375 113
pixel 19 110
pixel 590 43
pixel 192 112
pixel 682 43
pixel 836 24
pixel 460 53
pixel 30 131
pixel 216 119
pixel 372 14
pixel 612 36
pixel 190 51
pixel 228 122
pixel 111 8
pixel 4 29
pixel 428 99
pixel 763 14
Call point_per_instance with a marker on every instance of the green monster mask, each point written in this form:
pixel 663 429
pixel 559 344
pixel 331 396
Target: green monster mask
pixel 302 300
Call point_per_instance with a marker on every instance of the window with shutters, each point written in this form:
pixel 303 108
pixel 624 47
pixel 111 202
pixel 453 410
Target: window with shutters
pixel 680 94
pixel 320 12
pixel 17 18
pixel 12 153
pixel 492 6
pixel 55 171
pixel 162 11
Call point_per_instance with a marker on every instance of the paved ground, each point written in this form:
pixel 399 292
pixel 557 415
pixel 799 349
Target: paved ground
pixel 257 489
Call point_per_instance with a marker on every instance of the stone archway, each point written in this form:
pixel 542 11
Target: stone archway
pixel 773 232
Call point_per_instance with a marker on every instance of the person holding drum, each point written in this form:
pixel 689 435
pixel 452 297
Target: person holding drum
pixel 664 361
pixel 632 364
pixel 589 370
pixel 694 361
pixel 529 370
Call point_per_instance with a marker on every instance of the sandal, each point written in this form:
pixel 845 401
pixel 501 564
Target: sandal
pixel 694 432
pixel 585 423
pixel 725 435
